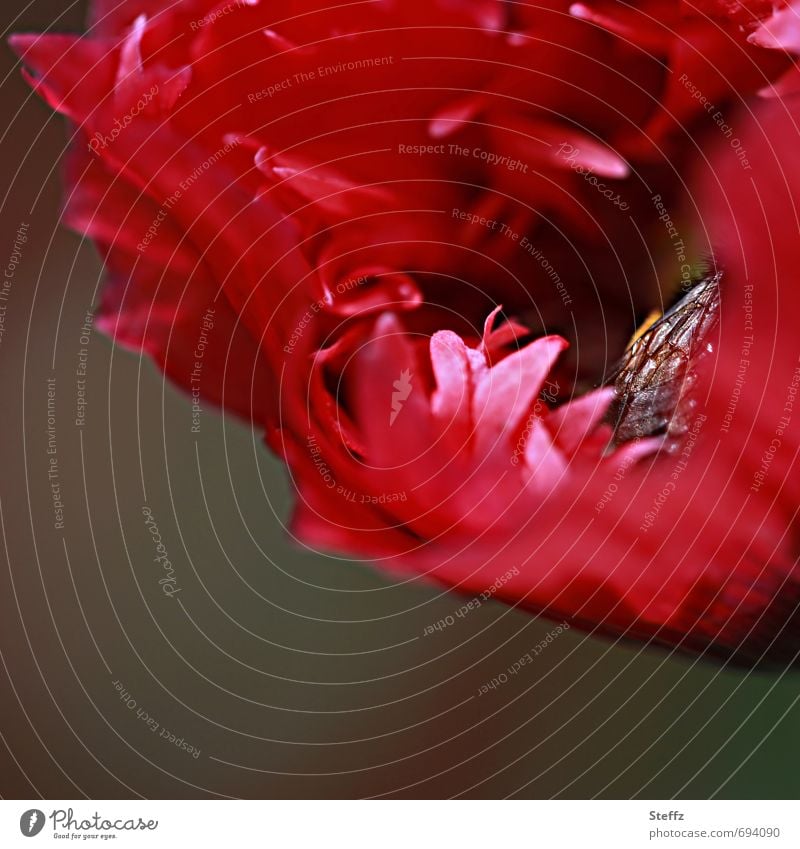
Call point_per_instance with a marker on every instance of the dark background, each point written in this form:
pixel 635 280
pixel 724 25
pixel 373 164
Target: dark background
pixel 294 674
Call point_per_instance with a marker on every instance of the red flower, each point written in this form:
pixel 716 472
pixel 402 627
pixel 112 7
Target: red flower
pixel 426 231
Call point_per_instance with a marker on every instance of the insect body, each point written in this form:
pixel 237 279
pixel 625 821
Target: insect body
pixel 655 377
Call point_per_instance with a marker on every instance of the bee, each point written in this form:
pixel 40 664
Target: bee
pixel 656 375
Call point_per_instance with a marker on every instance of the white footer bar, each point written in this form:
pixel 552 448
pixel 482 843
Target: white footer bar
pixel 401 824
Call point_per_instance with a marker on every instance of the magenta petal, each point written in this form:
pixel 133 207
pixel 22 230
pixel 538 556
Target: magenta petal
pixel 574 422
pixel 781 31
pixel 505 393
pixel 452 372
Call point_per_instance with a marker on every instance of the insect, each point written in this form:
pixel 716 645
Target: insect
pixel 655 377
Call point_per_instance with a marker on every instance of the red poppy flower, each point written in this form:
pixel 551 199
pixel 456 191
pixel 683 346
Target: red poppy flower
pixel 426 231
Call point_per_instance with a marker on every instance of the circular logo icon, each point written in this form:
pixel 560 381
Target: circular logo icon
pixel 31 822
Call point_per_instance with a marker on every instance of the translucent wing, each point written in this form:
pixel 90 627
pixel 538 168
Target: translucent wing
pixel 655 376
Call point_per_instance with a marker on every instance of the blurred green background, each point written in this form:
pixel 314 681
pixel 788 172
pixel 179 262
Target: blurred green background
pixel 293 673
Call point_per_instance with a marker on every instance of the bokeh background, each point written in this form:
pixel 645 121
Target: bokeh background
pixel 294 674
